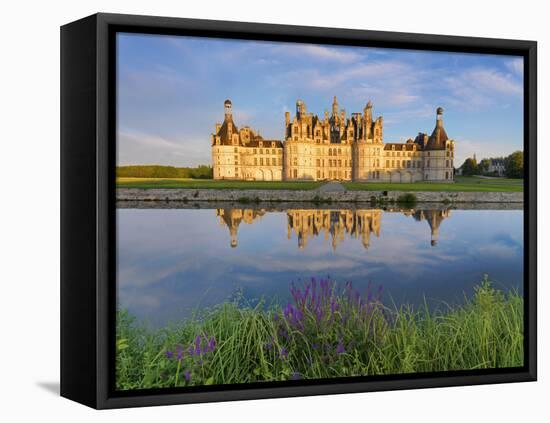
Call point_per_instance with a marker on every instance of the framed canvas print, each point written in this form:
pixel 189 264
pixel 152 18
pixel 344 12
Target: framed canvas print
pixel 255 211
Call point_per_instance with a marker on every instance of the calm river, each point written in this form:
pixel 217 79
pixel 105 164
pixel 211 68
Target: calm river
pixel 172 261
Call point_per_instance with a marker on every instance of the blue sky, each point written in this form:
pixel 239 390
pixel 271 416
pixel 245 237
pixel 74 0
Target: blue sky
pixel 171 91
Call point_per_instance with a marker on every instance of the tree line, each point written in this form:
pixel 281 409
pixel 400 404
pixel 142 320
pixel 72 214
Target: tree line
pixel 156 171
pixel 513 166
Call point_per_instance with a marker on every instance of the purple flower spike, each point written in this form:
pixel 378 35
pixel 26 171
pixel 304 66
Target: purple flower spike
pixel 191 350
pixel 169 354
pixel 212 344
pixel 284 353
pixel 198 345
pixel 340 348
pixel 179 352
pixel 187 375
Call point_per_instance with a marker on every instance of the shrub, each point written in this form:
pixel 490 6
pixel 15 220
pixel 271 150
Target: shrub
pixel 408 199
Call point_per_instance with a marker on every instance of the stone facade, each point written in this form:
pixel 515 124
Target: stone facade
pixel 332 148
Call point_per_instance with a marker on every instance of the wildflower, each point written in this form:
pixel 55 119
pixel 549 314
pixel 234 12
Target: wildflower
pixel 283 354
pixel 340 348
pixel 198 345
pixel 287 310
pixel 319 314
pixel 211 344
pixel 169 354
pixel 187 375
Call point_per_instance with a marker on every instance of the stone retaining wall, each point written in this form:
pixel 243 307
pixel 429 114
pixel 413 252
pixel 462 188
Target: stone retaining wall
pixel 243 196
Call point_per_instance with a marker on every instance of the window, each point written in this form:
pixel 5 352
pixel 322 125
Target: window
pixel 387 163
pixel 255 161
pixel 255 151
pixel 273 151
pixel 261 161
pixel 318 162
pixel 236 150
pixel 261 151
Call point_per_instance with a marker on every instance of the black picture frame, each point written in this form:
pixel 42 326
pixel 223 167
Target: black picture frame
pixel 88 155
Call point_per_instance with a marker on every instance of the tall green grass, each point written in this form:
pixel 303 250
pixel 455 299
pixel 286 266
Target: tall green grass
pixel 325 332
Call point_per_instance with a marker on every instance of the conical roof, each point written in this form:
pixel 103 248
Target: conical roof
pixel 439 137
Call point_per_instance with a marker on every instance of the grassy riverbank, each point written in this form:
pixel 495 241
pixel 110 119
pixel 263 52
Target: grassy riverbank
pixel 462 184
pixel 326 331
pixel 148 183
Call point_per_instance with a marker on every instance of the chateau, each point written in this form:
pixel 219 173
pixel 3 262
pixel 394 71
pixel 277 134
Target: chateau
pixel 335 147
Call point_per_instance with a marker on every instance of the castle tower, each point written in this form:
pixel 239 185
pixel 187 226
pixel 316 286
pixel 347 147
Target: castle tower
pixel 300 109
pixel 335 107
pixel 228 109
pixel 439 153
pixel 367 113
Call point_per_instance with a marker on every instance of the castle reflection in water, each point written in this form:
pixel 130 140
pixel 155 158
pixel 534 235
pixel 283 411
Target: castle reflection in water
pixel 333 225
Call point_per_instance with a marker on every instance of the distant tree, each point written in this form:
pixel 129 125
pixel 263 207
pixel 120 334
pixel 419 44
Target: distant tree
pixel 155 171
pixel 202 172
pixel 469 167
pixel 483 166
pixel 514 165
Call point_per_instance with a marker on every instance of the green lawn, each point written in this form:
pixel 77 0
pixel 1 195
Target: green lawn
pixel 213 184
pixel 461 184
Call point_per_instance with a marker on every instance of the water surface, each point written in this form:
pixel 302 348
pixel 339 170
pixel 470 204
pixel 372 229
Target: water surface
pixel 171 261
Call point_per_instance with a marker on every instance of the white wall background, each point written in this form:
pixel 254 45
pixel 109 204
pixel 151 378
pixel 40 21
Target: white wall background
pixel 29 191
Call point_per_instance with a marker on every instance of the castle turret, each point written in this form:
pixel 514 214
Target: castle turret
pixel 367 113
pixel 334 107
pixel 228 109
pixel 300 109
pixel 439 136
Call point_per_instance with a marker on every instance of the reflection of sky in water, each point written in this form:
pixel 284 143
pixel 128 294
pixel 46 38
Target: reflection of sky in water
pixel 171 261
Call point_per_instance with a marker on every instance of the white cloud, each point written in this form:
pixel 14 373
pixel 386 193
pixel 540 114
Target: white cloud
pixel 515 66
pixel 326 53
pixel 482 87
